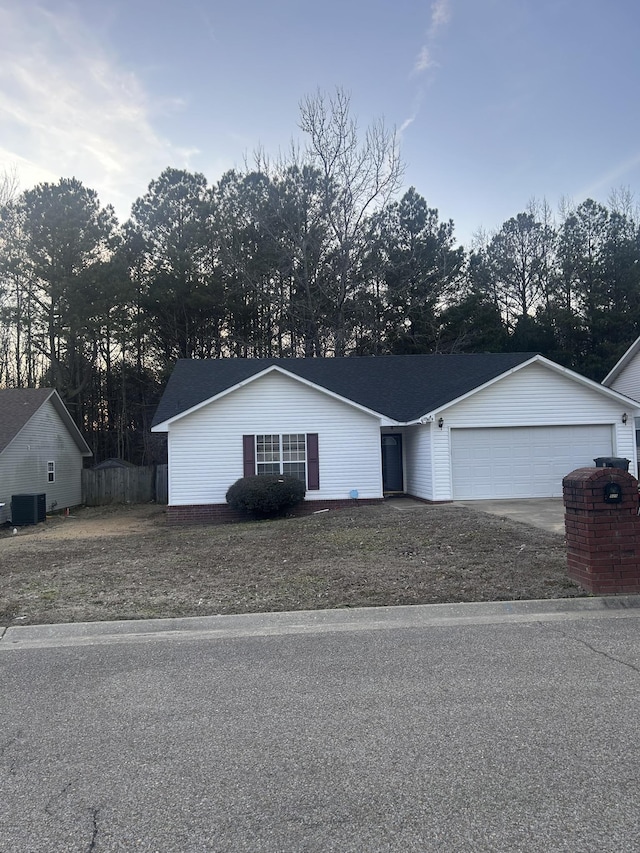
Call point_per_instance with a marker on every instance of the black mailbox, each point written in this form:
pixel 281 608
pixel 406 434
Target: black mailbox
pixel 613 493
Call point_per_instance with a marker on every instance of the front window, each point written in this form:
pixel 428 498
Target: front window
pixel 282 454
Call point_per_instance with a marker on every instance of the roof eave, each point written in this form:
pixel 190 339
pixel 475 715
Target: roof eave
pixel 429 416
pixel 70 424
pixel 552 365
pixel 163 426
pixel 590 383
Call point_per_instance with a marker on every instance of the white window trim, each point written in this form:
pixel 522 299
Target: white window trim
pixel 51 471
pixel 281 462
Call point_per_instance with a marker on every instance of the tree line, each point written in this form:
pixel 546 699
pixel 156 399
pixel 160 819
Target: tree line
pixel 315 254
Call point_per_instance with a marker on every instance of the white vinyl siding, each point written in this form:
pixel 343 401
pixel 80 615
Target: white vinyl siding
pixel 628 380
pixel 418 461
pixel 205 447
pixel 535 395
pixel 24 463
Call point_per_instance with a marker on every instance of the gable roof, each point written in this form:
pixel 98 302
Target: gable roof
pixel 19 405
pixel 112 462
pixel 400 387
pixel 622 363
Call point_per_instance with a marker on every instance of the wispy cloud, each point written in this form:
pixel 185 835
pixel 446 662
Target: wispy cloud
pixel 423 61
pixel 407 123
pixel 415 111
pixel 69 108
pixel 440 15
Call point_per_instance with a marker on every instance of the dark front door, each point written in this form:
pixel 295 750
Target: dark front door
pixel 392 462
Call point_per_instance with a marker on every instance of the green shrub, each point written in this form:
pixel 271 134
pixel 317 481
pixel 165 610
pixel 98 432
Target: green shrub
pixel 265 495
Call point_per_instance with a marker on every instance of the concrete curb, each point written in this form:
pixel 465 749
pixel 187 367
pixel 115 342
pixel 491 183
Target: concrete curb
pixel 315 621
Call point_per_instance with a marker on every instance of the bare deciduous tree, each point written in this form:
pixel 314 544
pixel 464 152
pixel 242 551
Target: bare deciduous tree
pixel 359 175
pixel 9 186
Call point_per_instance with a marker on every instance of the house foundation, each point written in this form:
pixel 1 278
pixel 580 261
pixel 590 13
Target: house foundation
pixel 223 514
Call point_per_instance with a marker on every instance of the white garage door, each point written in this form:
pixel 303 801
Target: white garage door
pixel 522 462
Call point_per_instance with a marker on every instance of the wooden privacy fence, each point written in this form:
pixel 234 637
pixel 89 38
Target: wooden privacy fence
pixel 125 485
pixel 162 484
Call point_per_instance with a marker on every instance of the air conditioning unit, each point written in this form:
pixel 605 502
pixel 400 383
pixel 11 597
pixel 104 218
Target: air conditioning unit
pixel 28 509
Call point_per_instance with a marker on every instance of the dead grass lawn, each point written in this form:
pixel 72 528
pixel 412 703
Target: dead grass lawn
pixel 127 563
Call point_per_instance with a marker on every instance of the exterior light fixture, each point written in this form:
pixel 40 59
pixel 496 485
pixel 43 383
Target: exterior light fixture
pixel 440 423
pixel 625 418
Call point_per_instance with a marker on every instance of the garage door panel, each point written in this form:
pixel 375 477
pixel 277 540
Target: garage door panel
pixel 522 462
pixel 505 473
pixel 540 452
pixel 483 471
pixel 545 473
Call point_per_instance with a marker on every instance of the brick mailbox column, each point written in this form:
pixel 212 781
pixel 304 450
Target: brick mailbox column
pixel 603 538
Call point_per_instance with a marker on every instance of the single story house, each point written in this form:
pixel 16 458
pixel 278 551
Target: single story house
pixel 436 427
pixel 41 449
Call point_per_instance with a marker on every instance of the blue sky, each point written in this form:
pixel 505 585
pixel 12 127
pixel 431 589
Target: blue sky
pixel 496 101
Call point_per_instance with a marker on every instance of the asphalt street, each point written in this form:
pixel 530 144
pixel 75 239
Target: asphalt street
pixel 484 727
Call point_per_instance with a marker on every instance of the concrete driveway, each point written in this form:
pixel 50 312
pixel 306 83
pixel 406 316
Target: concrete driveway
pixel 545 513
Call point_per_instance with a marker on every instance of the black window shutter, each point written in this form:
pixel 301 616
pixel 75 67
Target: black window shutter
pixel 313 462
pixel 249 455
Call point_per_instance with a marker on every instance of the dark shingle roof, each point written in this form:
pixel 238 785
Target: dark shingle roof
pixel 402 387
pixel 17 407
pixel 113 463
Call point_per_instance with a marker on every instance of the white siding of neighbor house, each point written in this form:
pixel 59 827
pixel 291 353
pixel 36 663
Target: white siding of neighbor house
pixel 418 461
pixel 205 447
pixel 23 463
pixel 533 395
pixel 628 380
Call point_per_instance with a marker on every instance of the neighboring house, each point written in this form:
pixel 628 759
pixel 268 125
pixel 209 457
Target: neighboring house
pixel 41 449
pixel 625 376
pixel 437 427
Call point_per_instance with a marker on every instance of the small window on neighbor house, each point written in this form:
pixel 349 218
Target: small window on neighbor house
pixel 51 472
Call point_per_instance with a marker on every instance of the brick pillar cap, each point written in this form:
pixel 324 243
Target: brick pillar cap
pixel 585 475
